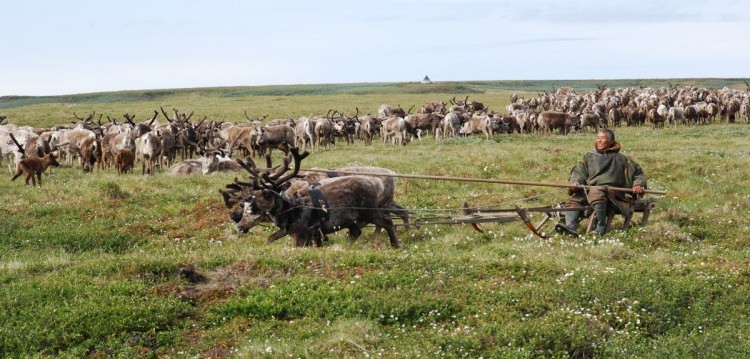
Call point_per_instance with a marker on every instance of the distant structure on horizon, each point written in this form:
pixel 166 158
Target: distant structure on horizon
pixel 426 80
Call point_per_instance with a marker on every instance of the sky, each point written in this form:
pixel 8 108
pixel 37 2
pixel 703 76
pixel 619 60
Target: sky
pixel 76 46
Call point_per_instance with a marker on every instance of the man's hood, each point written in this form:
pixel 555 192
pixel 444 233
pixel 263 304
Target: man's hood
pixel 612 149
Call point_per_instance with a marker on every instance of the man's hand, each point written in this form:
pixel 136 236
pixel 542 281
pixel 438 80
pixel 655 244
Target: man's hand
pixel 638 189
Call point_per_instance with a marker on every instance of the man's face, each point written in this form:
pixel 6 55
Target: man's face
pixel 602 142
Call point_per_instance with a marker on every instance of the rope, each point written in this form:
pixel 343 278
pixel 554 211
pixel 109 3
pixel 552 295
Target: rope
pixel 436 210
pixel 432 216
pixel 482 180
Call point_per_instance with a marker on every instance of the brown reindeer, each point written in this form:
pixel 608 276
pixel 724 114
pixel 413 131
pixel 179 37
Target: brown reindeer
pixel 551 120
pixel 35 166
pixel 124 159
pixel 305 211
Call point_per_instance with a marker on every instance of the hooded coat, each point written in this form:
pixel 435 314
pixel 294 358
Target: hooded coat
pixel 608 168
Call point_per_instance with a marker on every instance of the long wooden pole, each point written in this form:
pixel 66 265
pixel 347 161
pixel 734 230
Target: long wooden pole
pixel 483 180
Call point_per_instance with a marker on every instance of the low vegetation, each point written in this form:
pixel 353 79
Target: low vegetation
pixel 98 264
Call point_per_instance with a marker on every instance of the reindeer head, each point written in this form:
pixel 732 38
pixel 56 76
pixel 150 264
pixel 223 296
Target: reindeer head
pixel 53 161
pixel 263 198
pixel 257 207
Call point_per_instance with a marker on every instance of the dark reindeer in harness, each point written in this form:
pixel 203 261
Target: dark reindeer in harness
pixel 308 211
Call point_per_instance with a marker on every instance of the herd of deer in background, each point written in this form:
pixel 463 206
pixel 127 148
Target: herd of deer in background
pixel 155 144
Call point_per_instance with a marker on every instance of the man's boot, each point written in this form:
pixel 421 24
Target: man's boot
pixel 600 210
pixel 571 224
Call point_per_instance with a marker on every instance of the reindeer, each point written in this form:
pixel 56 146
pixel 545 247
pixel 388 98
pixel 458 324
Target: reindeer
pixel 220 162
pixel 10 148
pixel 270 137
pixel 124 160
pixel 90 153
pixel 593 120
pixel 477 124
pixel 324 132
pixel 451 123
pixel 185 132
pixel 368 127
pixel 346 127
pixel 242 137
pixel 304 132
pixel 425 122
pixel 307 212
pixel 551 120
pixel 33 168
pixel 459 103
pixel 475 106
pixel 148 152
pixel 433 107
pixel 212 160
pixel 385 198
pixel 388 111
pixel 395 126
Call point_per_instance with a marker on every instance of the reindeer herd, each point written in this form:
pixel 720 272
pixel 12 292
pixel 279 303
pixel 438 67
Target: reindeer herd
pixel 155 145
pixel 308 206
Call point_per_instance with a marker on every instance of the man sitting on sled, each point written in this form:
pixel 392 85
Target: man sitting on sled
pixel 603 167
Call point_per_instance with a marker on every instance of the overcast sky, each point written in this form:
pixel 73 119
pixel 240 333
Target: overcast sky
pixel 75 46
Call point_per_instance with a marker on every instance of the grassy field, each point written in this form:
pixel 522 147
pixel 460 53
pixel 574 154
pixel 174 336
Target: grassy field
pixel 96 264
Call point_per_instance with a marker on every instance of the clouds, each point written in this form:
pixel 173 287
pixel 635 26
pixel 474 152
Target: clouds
pixel 620 11
pixel 86 46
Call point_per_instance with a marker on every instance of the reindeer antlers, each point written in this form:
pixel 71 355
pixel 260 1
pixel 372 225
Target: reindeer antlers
pixel 165 114
pixel 280 175
pixel 20 148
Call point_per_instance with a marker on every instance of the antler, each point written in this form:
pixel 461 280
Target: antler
pixel 252 170
pixel 20 148
pixel 165 114
pixel 298 157
pixel 129 118
pixel 279 170
pixel 156 113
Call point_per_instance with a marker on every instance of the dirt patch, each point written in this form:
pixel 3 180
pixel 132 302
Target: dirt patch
pixel 217 284
pixel 342 274
pixel 141 229
pixel 222 349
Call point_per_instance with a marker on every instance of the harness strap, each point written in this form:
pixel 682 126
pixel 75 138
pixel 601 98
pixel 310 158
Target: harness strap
pixel 320 203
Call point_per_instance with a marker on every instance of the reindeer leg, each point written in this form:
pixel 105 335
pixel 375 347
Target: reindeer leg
pixel 402 213
pixel 300 241
pixel 319 237
pixel 392 236
pixel 354 232
pixel 279 234
pixel 385 221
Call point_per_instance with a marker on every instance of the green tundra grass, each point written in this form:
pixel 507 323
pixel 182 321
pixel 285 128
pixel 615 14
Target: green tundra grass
pixel 101 265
